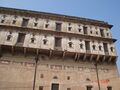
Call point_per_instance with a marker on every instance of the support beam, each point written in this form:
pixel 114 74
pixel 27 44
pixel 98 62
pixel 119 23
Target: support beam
pixel 76 55
pixel 84 57
pixel 110 58
pixel 103 59
pixel 25 50
pixel 91 57
pixel 37 52
pixel 12 50
pixel 63 56
pixel 50 53
pixel 98 56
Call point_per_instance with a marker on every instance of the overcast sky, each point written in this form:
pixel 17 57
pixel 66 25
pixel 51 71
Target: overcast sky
pixel 106 10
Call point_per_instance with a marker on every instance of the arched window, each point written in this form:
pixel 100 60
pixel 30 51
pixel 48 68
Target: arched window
pixel 33 39
pixel 100 47
pixel 45 41
pixel 111 48
pixel 94 47
pixel 9 36
pixel 81 46
pixel 70 44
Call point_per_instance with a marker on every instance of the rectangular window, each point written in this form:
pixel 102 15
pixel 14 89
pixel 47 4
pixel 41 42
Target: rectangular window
pixel 68 88
pixel 25 22
pixel 40 87
pixel 87 46
pixel 102 33
pixel 58 26
pixel 105 46
pixel 85 30
pixel 55 86
pixel 57 42
pixel 21 37
pixel 88 87
pixel 109 88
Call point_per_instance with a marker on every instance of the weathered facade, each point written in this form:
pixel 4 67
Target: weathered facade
pixel 55 52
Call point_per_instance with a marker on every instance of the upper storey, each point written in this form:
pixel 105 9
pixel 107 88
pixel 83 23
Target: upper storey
pixel 54 22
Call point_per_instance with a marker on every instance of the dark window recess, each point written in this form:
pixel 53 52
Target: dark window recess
pixel 55 86
pixel 2 21
pixel 41 76
pixel 109 88
pixel 69 28
pixel 15 17
pixel 87 45
pixel 57 42
pixel 94 47
pixel 81 46
pixel 9 37
pixel 102 33
pixel 105 46
pixel 46 25
pixel 55 77
pixel 58 26
pixel 91 32
pixel 4 16
pixel 107 34
pixel 68 78
pixel 100 48
pixel 79 30
pixel 70 44
pixel 88 87
pixel 35 24
pixel 68 88
pixel 21 37
pixel 111 48
pixel 96 33
pixel 85 30
pixel 25 22
pixel 40 87
pixel 32 40
pixel 14 22
pixel 45 41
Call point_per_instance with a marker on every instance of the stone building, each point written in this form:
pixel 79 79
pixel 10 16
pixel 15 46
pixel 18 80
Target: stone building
pixel 47 51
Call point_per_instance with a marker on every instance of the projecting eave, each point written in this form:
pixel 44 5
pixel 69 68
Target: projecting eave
pixel 114 40
pixel 54 16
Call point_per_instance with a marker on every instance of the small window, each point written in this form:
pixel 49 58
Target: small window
pixel 15 17
pixel 33 39
pixel 55 77
pixel 107 34
pixel 111 48
pixel 35 24
pixel 41 76
pixel 81 46
pixel 96 32
pixel 46 25
pixel 36 19
pixel 9 37
pixel 91 32
pixel 100 48
pixel 40 87
pixel 45 41
pixel 25 22
pixel 94 47
pixel 68 88
pixel 2 21
pixel 109 88
pixel 68 78
pixel 79 29
pixel 4 16
pixel 69 28
pixel 14 22
pixel 88 87
pixel 70 44
pixel 85 29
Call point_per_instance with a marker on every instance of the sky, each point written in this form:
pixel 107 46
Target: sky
pixel 105 10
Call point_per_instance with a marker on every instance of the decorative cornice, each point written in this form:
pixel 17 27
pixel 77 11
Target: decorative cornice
pixel 54 16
